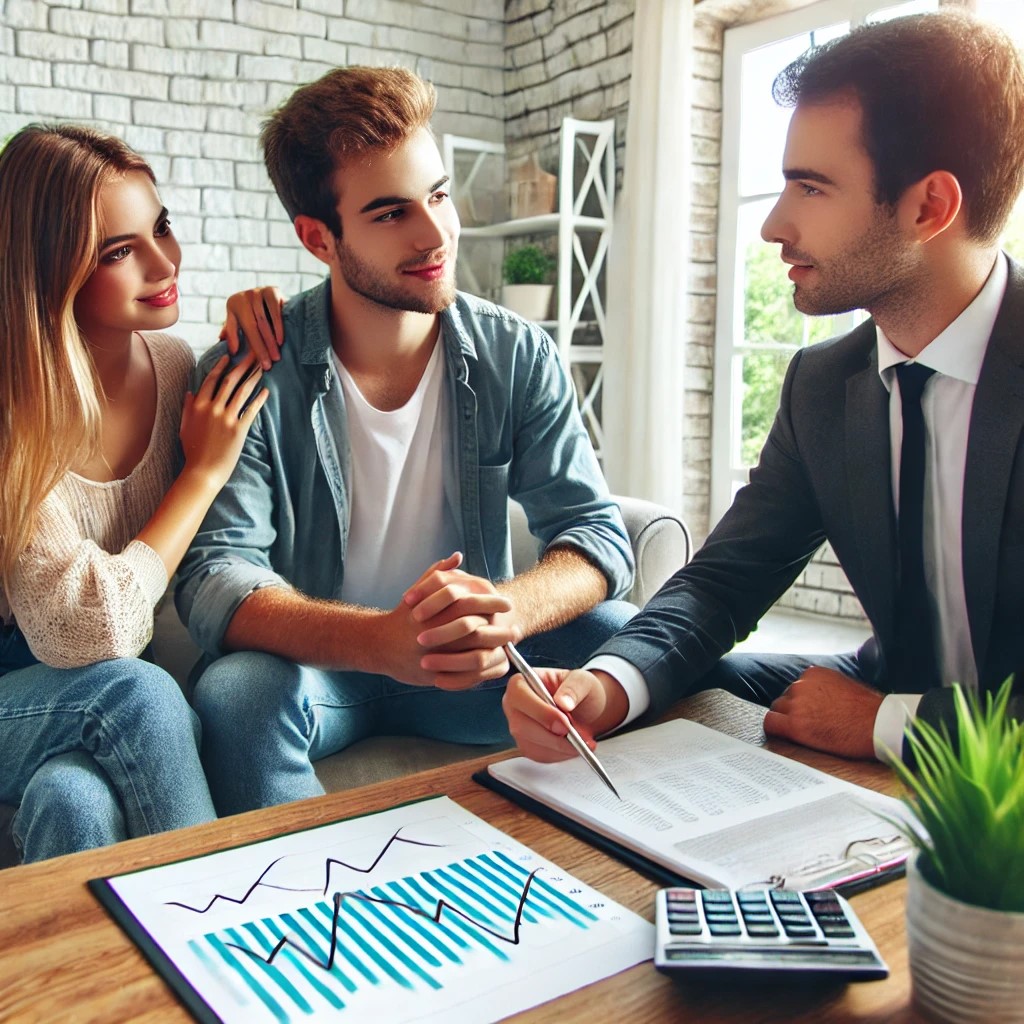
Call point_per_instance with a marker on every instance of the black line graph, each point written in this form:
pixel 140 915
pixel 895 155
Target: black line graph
pixel 440 906
pixel 329 863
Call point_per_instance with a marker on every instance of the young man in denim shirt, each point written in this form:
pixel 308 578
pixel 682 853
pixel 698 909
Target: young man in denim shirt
pixel 355 576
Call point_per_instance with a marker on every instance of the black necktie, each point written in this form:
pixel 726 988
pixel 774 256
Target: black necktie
pixel 917 666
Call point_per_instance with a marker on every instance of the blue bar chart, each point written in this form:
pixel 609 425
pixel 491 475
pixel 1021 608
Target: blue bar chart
pixel 402 934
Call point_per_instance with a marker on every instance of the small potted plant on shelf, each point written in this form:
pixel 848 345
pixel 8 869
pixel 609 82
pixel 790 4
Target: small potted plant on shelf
pixel 965 896
pixel 527 289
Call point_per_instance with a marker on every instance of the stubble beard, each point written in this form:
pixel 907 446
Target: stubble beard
pixel 371 284
pixel 874 273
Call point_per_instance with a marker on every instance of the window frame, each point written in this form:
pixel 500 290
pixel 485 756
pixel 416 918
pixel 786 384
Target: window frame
pixel 730 345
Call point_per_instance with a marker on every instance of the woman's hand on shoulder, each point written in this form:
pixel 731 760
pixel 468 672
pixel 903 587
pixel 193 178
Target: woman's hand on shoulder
pixel 256 315
pixel 216 419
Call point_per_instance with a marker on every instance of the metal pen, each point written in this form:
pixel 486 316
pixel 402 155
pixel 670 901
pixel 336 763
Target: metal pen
pixel 577 741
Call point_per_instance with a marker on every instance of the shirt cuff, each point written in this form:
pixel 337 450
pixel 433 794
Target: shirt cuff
pixel 226 586
pixel 629 677
pixel 894 714
pixel 149 570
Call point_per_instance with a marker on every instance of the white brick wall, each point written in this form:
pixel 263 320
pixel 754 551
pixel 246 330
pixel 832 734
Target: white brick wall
pixel 188 82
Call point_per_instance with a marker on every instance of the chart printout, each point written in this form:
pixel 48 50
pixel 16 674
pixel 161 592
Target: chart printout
pixel 423 912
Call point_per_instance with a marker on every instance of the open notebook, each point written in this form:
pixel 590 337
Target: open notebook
pixel 700 806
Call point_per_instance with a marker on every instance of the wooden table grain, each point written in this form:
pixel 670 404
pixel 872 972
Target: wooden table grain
pixel 63 959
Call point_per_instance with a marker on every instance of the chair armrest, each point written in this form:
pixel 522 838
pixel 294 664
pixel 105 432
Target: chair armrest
pixel 660 539
pixel 661 544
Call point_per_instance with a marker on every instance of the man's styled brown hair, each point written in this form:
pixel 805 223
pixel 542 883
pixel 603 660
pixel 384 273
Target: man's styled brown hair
pixel 332 120
pixel 938 92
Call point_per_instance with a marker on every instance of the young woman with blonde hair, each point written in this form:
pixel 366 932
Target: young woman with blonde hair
pixel 97 506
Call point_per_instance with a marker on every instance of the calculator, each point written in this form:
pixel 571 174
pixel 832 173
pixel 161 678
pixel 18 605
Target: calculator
pixel 754 933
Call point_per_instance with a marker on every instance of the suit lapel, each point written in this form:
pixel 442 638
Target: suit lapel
pixel 870 487
pixel 997 421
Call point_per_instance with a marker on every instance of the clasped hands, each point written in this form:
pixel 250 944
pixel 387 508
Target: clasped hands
pixel 449 629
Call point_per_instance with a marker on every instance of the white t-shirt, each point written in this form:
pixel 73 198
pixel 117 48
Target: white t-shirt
pixel 400 520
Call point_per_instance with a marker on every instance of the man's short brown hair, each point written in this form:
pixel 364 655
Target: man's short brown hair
pixel 342 115
pixel 941 91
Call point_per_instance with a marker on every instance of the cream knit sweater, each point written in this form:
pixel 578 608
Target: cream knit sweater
pixel 84 590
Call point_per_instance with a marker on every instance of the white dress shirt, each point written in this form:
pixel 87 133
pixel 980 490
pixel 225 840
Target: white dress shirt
pixel 956 355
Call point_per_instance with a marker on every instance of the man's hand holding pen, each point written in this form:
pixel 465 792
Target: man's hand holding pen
pixel 595 701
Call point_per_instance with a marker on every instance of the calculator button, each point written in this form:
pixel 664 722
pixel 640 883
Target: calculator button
pixel 685 928
pixel 784 896
pixel 824 919
pixel 795 921
pixel 821 910
pixel 799 931
pixel 724 928
pixel 717 896
pixel 837 931
pixel 761 930
pixel 752 919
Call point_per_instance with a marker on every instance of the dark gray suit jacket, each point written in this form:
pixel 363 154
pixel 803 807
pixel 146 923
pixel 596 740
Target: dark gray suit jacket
pixel 824 474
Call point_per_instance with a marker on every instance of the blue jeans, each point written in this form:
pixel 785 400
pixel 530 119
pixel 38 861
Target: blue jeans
pixel 94 755
pixel 266 720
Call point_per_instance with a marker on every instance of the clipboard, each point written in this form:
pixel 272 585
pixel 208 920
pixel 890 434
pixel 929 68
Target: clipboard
pixel 421 897
pixel 864 864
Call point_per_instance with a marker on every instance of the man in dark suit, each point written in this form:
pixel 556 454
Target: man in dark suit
pixel 901 443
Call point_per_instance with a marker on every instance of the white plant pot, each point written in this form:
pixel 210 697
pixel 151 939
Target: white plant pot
pixel 965 961
pixel 530 301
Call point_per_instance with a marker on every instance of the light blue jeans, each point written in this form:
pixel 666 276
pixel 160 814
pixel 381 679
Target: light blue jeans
pixel 266 720
pixel 94 755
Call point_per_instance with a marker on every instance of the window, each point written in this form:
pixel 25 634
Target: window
pixel 758 328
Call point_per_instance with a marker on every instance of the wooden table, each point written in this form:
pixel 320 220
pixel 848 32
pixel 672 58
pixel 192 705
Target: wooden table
pixel 62 958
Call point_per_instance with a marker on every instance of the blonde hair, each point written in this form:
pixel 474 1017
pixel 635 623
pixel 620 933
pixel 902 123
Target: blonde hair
pixel 342 115
pixel 50 180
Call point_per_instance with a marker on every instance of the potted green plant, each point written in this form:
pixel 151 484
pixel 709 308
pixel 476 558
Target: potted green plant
pixel 527 291
pixel 965 896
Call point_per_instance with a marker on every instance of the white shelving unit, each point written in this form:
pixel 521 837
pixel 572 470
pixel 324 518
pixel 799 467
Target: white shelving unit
pixel 582 226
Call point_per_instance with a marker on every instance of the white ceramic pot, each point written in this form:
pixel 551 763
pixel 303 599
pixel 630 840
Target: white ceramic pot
pixel 965 961
pixel 530 301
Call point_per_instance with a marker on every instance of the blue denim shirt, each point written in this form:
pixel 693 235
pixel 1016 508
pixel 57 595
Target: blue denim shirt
pixel 283 517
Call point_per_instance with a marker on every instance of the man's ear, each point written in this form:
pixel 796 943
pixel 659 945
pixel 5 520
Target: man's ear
pixel 932 204
pixel 316 237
